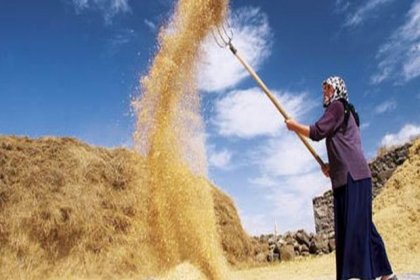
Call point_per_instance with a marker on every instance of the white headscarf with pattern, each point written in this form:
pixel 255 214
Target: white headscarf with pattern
pixel 340 89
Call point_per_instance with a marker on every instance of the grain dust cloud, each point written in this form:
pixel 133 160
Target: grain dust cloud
pixel 170 134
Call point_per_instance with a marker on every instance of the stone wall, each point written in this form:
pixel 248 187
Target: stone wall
pixel 381 167
pixel 293 244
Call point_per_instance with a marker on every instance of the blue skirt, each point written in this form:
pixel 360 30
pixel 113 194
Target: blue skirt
pixel 360 251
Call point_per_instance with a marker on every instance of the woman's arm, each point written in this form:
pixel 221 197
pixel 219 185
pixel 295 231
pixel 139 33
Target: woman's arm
pixel 305 131
pixel 297 127
pixel 326 125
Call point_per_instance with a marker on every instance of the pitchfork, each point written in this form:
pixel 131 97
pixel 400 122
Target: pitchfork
pixel 224 39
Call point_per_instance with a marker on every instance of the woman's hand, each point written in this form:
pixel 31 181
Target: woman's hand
pixel 291 124
pixel 326 170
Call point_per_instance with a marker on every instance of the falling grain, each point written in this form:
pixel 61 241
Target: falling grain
pixel 170 135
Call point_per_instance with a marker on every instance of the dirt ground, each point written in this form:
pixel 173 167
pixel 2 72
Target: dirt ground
pixel 310 268
pixel 322 267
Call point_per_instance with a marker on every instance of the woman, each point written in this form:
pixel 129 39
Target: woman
pixel 360 251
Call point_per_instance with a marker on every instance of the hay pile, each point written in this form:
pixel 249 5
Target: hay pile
pixel 67 208
pixel 240 250
pixel 74 211
pixel 397 212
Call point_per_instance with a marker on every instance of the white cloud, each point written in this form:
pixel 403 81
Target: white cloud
pixel 258 224
pixel 293 200
pixel 290 201
pixel 411 68
pixel 286 156
pixel 408 132
pixel 219 69
pixel 121 38
pixel 358 16
pixel 264 181
pixel 81 4
pixel 399 57
pixel 249 113
pixel 291 179
pixel 109 8
pixel 150 24
pixel 365 125
pixel 385 72
pixel 386 106
pixel 341 6
pixel 286 168
pixel 219 159
pixel 288 174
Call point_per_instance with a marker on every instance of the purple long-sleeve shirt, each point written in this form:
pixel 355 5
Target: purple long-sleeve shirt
pixel 345 154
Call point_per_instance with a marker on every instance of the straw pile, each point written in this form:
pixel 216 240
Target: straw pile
pixel 73 211
pixel 240 250
pixel 68 209
pixel 397 211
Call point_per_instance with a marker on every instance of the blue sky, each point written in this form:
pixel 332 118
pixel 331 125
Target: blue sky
pixel 71 67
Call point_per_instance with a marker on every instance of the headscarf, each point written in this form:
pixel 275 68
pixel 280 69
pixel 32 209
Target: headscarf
pixel 340 89
pixel 340 93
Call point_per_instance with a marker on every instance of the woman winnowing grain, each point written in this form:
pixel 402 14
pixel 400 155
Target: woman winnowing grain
pixel 360 251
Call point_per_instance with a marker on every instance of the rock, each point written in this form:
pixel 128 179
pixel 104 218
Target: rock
pixel 263 238
pixel 304 249
pixel 400 160
pixel 385 175
pixel 276 249
pixel 313 248
pixel 302 238
pixel 289 239
pixel 321 211
pixel 287 253
pixel 391 165
pixel 281 242
pixel 319 244
pixel 272 257
pixel 297 248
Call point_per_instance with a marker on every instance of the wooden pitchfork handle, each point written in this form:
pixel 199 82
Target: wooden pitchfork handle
pixel 275 102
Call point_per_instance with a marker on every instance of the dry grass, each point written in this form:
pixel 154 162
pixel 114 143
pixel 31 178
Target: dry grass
pixel 240 250
pixel 76 211
pixel 66 208
pixel 397 213
pixel 312 267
